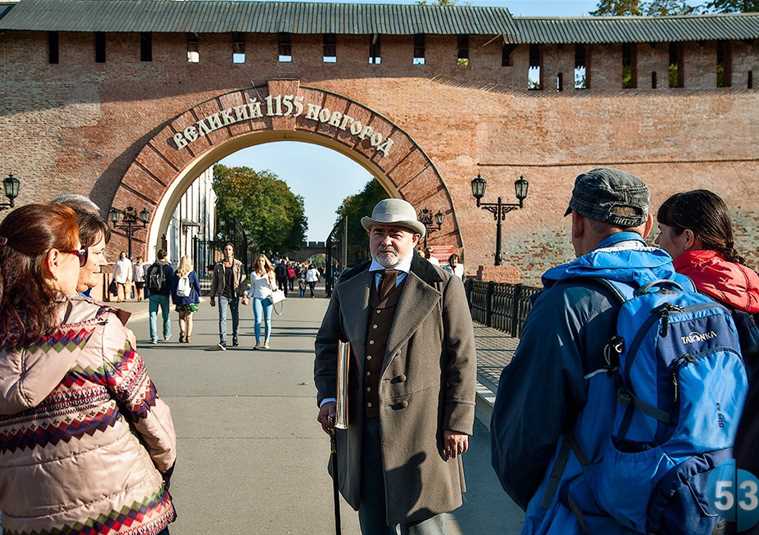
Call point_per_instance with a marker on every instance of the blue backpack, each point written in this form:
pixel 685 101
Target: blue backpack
pixel 680 386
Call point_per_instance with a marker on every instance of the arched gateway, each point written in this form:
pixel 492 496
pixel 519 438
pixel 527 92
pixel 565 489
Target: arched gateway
pixel 280 110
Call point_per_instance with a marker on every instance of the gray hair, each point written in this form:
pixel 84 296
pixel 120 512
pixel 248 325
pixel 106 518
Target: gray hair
pixel 77 202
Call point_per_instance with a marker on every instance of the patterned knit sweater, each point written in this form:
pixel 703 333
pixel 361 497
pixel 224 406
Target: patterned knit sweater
pixel 84 438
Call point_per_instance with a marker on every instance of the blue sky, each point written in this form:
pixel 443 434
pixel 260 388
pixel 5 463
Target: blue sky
pixel 324 177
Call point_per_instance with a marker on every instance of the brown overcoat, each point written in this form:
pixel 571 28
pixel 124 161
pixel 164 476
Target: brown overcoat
pixel 427 386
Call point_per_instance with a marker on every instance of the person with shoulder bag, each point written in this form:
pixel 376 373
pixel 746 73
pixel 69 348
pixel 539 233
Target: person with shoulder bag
pixel 696 230
pixel 159 278
pixel 186 296
pixel 85 437
pixel 263 284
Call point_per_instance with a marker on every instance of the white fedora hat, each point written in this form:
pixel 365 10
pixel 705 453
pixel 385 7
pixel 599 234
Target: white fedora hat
pixel 394 212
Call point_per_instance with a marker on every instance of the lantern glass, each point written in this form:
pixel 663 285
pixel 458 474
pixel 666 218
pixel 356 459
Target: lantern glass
pixel 115 215
pixel 478 187
pixel 439 217
pixel 144 215
pixel 11 184
pixel 521 186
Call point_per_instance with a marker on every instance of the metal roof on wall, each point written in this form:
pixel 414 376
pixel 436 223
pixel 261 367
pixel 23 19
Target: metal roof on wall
pixel 590 30
pixel 221 16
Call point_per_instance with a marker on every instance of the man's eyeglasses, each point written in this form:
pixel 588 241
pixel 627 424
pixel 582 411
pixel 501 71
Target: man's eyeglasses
pixel 82 254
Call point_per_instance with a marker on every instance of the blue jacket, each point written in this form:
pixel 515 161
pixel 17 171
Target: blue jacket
pixel 193 298
pixel 543 390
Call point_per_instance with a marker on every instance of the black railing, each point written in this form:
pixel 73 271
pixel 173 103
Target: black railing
pixel 501 306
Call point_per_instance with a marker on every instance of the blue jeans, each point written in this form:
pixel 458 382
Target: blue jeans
pixel 262 310
pixel 234 306
pixel 155 301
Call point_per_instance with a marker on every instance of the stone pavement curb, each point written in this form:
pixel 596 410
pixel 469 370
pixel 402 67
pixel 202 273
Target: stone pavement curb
pixel 494 351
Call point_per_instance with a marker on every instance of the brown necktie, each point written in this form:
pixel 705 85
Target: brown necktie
pixel 387 284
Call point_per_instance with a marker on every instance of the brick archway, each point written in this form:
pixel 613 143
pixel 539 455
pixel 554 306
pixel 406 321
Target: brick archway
pixel 170 161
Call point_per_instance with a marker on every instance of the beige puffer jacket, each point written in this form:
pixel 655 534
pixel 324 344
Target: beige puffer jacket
pixel 84 438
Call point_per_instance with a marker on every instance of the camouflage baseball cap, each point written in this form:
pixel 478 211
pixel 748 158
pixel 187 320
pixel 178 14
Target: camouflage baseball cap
pixel 610 196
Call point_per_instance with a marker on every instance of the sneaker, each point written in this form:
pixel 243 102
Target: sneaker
pixel 235 342
pixel 167 339
pixel 258 346
pixel 181 339
pixel 222 346
pixel 154 341
pixel 266 345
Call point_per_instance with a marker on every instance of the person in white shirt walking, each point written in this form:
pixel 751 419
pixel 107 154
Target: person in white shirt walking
pixel 262 283
pixel 122 274
pixel 312 277
pixel 138 277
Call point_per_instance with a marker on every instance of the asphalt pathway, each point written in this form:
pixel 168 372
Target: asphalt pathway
pixel 252 459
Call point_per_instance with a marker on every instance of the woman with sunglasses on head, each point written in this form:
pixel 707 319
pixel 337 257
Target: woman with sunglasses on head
pixel 695 229
pixel 84 438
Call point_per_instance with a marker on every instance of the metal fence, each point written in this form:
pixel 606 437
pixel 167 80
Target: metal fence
pixel 501 306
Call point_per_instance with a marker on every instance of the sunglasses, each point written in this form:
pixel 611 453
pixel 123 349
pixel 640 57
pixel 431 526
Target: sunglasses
pixel 82 254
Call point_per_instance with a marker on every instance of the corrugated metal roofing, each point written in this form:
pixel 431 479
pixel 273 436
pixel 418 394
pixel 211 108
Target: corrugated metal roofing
pixel 590 30
pixel 221 16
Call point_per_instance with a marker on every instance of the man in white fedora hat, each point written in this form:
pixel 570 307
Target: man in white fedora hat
pixel 411 382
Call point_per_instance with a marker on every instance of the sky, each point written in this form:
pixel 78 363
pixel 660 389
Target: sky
pixel 324 177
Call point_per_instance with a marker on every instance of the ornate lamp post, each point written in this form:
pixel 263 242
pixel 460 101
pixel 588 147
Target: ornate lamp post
pixel 11 185
pixel 129 221
pixel 431 222
pixel 499 209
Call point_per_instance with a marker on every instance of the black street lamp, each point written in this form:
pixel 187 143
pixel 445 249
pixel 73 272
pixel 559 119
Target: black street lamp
pixel 11 185
pixel 499 209
pixel 129 221
pixel 431 222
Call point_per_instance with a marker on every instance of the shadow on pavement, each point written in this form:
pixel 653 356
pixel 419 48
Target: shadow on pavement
pixel 487 508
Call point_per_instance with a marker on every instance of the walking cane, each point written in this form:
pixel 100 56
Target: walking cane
pixel 335 490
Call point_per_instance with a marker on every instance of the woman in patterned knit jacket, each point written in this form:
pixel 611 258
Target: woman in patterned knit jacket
pixel 86 445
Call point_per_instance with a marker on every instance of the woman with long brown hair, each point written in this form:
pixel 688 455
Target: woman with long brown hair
pixel 84 438
pixel 185 292
pixel 262 283
pixel 696 230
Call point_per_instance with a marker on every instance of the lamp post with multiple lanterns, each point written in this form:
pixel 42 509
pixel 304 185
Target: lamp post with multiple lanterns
pixel 11 186
pixel 129 221
pixel 499 209
pixel 431 222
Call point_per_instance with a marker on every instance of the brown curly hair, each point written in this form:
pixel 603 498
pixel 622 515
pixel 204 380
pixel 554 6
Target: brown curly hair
pixel 28 305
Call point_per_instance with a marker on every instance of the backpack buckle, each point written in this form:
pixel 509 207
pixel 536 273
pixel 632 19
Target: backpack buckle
pixel 612 351
pixel 624 396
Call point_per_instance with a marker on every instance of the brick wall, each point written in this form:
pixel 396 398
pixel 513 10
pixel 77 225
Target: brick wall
pixel 77 126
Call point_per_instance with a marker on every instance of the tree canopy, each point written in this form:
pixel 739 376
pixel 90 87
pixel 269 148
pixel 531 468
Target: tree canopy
pixel 355 207
pixel 672 7
pixel 272 216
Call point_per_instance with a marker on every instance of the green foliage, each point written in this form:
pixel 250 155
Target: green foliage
pixel 732 6
pixel 617 8
pixel 437 2
pixel 354 208
pixel 672 7
pixel 272 216
pixel 646 7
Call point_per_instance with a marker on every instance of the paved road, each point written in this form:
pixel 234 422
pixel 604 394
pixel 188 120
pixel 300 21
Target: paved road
pixel 251 456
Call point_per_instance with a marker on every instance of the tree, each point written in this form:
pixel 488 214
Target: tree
pixel 670 7
pixel 732 6
pixel 272 216
pixel 617 8
pixel 648 7
pixel 354 208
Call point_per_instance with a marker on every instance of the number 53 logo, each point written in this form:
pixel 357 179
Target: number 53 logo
pixel 735 494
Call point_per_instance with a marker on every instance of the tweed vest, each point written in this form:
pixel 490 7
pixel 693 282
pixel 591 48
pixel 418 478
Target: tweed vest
pixel 378 329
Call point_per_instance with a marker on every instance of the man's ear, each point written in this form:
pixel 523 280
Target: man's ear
pixel 416 238
pixel 579 226
pixel 648 226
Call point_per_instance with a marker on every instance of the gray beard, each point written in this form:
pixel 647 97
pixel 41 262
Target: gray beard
pixel 385 264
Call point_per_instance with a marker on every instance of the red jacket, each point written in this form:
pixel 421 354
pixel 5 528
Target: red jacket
pixel 728 282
